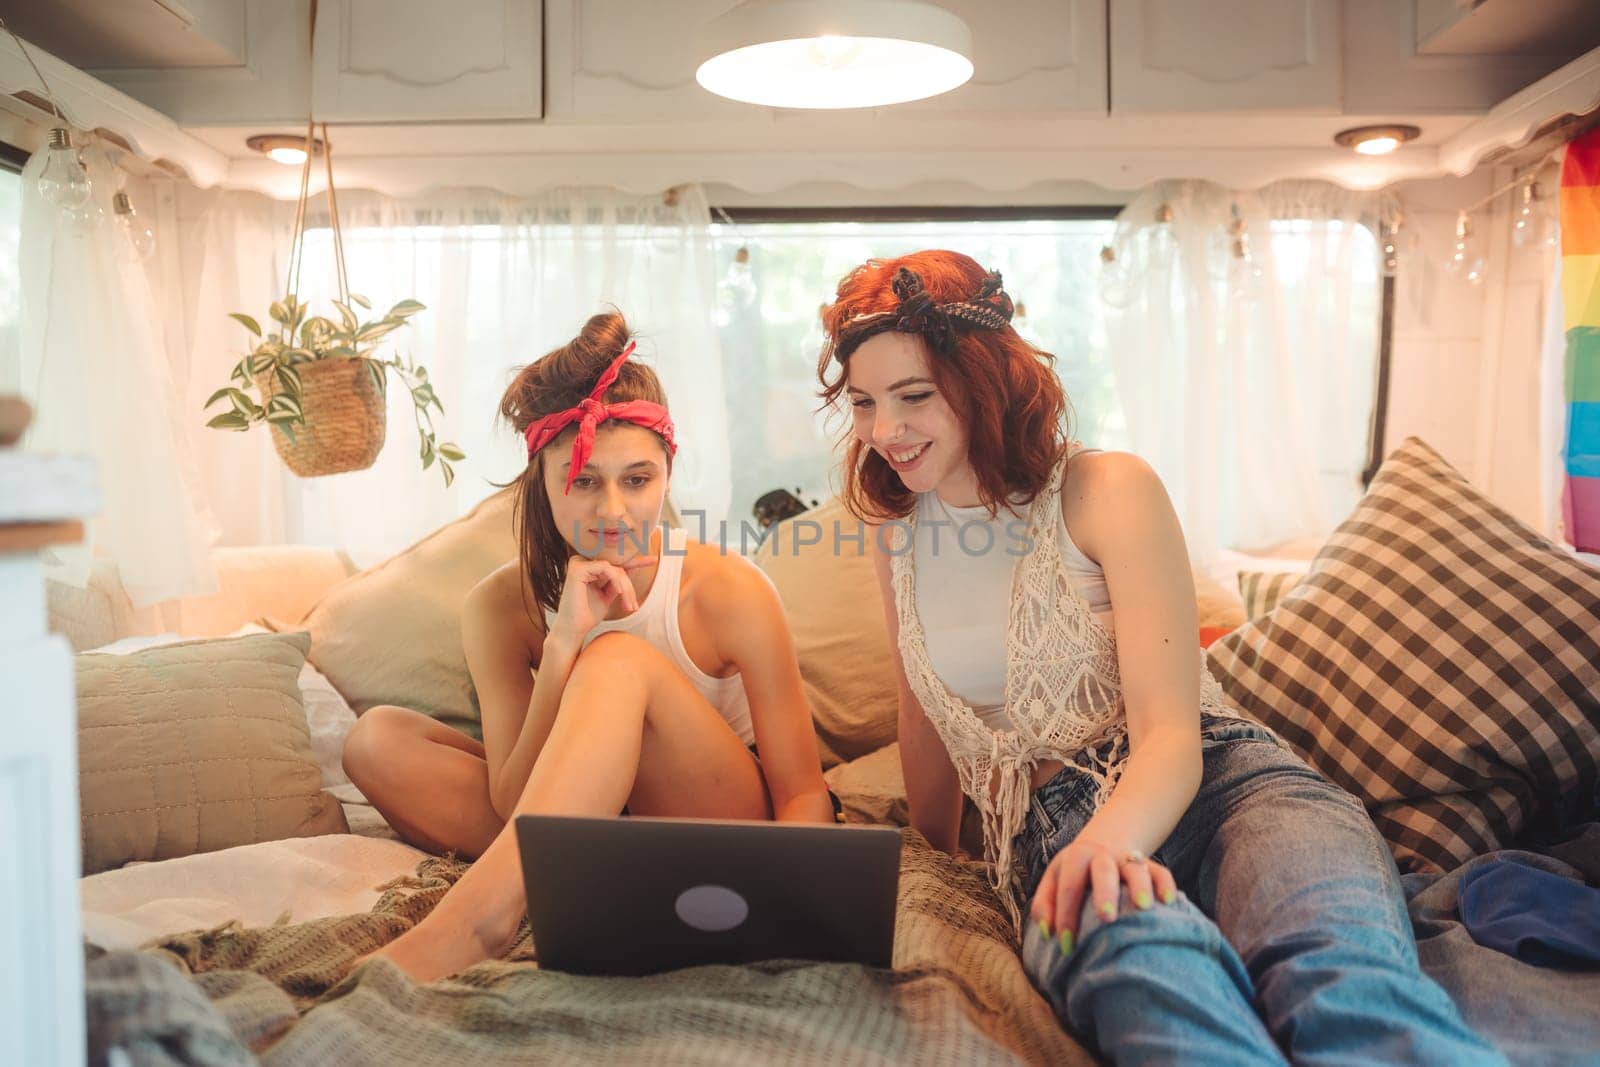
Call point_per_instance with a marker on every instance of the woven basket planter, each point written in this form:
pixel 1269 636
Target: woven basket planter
pixel 344 418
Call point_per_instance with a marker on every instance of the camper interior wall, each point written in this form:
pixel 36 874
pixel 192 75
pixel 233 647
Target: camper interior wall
pixel 1466 359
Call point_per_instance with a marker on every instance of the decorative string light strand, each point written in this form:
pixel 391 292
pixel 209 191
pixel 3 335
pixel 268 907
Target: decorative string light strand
pixel 49 96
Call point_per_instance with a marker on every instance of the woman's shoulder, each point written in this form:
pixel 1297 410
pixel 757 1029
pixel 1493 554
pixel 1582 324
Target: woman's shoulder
pixel 1107 471
pixel 504 598
pixel 718 578
pixel 1101 490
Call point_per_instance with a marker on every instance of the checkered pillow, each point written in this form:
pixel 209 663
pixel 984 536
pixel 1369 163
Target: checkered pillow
pixel 1441 661
pixel 1262 590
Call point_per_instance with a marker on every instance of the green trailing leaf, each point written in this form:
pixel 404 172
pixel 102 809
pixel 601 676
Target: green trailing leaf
pixel 279 312
pixel 351 322
pixel 422 395
pixel 405 309
pixel 288 380
pixel 283 403
pixel 286 426
pixel 427 451
pixel 379 378
pixel 339 352
pixel 450 450
pixel 258 364
pixel 448 471
pixel 378 328
pixel 298 355
pixel 314 330
pixel 229 420
pixel 225 391
pixel 246 321
pixel 357 298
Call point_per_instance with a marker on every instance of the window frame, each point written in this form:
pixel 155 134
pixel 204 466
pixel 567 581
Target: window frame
pixel 770 215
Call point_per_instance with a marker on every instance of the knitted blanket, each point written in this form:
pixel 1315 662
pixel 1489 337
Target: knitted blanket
pixel 282 995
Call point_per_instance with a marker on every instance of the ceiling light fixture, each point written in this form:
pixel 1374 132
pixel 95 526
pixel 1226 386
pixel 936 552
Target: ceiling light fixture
pixel 833 54
pixel 1376 140
pixel 286 148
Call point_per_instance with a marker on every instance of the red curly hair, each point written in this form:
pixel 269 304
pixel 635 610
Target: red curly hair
pixel 1003 391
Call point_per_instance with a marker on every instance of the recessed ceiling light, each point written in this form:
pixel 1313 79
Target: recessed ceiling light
pixel 1376 140
pixel 829 54
pixel 286 148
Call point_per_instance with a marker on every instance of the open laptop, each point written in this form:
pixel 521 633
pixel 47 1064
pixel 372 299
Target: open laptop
pixel 635 895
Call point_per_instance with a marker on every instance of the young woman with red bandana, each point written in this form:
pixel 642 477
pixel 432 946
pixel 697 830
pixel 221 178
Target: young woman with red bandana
pixel 618 665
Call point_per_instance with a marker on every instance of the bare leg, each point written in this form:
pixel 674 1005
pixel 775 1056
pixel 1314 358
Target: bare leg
pixel 631 730
pixel 431 782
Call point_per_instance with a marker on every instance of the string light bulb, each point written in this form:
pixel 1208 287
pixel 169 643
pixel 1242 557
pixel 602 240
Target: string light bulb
pixel 1464 263
pixel 63 182
pixel 139 240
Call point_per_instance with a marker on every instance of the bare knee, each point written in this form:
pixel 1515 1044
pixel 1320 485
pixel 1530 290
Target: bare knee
pixel 370 746
pixel 614 658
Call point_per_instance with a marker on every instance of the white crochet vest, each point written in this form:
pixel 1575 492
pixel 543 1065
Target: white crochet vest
pixel 1063 687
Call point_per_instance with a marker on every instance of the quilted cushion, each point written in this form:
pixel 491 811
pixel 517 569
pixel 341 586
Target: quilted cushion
pixel 195 747
pixel 1441 660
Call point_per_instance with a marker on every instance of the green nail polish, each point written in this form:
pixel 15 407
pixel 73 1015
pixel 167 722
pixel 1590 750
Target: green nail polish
pixel 1168 896
pixel 1044 929
pixel 1143 899
pixel 1065 940
pixel 1108 912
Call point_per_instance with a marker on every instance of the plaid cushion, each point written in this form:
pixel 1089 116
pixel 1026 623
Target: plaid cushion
pixel 1262 590
pixel 1441 661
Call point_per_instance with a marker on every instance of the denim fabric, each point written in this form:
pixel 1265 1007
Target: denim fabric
pixel 1289 937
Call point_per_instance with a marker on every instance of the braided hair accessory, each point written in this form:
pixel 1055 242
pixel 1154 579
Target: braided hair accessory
pixel 989 309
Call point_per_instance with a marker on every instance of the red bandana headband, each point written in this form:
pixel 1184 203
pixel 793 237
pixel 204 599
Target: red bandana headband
pixel 590 413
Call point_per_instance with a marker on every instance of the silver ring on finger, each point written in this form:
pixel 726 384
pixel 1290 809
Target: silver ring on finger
pixel 1135 857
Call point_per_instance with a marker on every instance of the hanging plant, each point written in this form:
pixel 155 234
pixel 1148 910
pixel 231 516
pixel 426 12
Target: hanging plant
pixel 322 383
pixel 281 360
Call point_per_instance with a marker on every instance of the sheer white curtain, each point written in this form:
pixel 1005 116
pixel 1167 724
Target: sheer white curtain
pixel 92 360
pixel 504 280
pixel 1244 329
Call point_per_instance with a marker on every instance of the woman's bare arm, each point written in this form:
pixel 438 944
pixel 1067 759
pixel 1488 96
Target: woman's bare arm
pixel 933 788
pixel 518 707
pixel 742 611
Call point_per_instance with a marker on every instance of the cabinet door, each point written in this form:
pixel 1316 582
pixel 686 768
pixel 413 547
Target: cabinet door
pixel 1247 55
pixel 1031 56
pixel 422 60
pixel 626 60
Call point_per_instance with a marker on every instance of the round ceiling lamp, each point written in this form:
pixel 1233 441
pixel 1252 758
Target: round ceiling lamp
pixel 1376 140
pixel 830 54
pixel 286 148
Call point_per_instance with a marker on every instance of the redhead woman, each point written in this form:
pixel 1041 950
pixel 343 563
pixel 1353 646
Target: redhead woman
pixel 618 665
pixel 1192 891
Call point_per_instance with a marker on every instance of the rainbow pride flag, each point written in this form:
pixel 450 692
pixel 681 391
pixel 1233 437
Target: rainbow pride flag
pixel 1580 296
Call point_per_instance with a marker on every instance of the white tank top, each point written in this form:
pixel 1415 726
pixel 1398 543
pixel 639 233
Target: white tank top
pixel 964 561
pixel 656 621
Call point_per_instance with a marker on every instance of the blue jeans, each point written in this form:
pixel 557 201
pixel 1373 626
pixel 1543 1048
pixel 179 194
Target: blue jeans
pixel 1289 936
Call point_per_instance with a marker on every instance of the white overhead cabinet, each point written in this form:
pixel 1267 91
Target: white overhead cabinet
pixel 1256 55
pixel 376 61
pixel 1031 56
pixel 623 60
pixel 421 60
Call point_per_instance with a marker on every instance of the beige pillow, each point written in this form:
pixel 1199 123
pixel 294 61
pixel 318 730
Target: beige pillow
pixel 196 747
pixel 831 596
pixel 392 634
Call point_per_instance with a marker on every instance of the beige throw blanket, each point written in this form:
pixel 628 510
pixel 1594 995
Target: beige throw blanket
pixel 957 995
